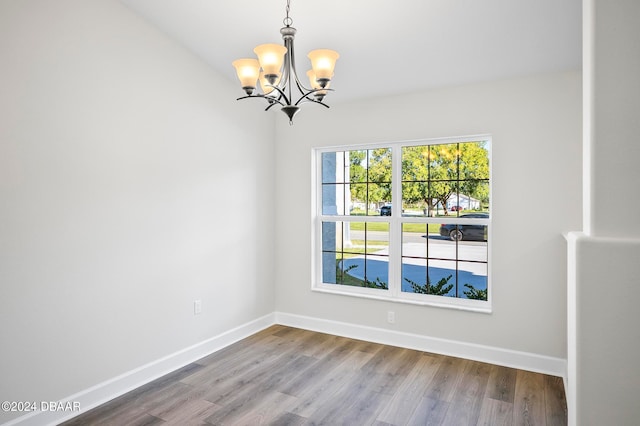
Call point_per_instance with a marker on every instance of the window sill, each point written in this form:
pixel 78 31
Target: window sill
pixel 455 304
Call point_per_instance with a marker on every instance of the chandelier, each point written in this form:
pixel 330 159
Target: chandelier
pixel 275 68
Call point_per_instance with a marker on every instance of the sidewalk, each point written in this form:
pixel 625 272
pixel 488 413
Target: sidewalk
pixel 377 266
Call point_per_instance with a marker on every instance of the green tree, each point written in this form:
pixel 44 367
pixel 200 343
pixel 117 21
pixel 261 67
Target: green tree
pixel 474 293
pixel 348 279
pixel 358 176
pixel 378 283
pixel 474 170
pixel 432 173
pixel 380 175
pixel 357 166
pixel 370 175
pixel 440 289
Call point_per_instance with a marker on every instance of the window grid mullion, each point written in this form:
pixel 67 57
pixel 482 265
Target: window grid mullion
pixel 397 220
pixel 395 225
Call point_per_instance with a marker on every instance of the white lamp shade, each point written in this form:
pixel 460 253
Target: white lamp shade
pixel 248 71
pixel 271 57
pixel 323 62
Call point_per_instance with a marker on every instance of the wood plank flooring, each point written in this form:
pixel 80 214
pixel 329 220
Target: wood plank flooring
pixel 288 376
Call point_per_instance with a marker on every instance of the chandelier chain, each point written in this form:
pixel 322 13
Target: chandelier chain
pixel 287 21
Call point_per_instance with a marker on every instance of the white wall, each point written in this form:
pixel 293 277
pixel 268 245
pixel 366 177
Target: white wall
pixel 131 184
pixel 604 338
pixel 536 127
pixel 613 87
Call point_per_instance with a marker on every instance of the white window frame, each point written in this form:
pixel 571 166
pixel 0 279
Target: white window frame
pixel 394 293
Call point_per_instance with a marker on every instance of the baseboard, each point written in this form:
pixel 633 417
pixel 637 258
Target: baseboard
pixel 499 356
pixel 110 389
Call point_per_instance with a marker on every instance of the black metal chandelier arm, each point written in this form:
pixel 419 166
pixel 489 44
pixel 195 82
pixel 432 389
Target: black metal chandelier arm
pixel 292 67
pixel 272 103
pixel 283 95
pixel 249 96
pixel 306 98
pixel 269 99
pixel 301 86
pixel 311 92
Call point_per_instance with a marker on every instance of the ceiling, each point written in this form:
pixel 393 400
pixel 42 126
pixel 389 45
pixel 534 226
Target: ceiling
pixel 386 46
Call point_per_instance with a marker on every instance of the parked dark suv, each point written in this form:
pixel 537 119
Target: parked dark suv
pixel 466 232
pixel 385 211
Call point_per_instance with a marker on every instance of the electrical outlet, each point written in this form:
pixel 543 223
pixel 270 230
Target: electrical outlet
pixel 391 317
pixel 197 307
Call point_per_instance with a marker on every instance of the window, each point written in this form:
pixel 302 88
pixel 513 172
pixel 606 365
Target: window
pixel 408 222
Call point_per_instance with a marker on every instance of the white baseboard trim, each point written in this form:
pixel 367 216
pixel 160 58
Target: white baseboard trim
pixel 110 389
pixel 499 356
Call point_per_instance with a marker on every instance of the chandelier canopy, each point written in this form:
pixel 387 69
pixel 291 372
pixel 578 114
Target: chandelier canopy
pixel 275 68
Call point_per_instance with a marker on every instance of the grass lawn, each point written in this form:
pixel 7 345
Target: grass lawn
pixel 358 248
pixel 434 228
pixel 342 277
pixel 346 279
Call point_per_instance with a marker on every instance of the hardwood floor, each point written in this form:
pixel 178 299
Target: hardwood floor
pixel 288 376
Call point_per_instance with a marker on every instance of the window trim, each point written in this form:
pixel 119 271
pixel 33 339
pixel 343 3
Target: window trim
pixel 394 293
